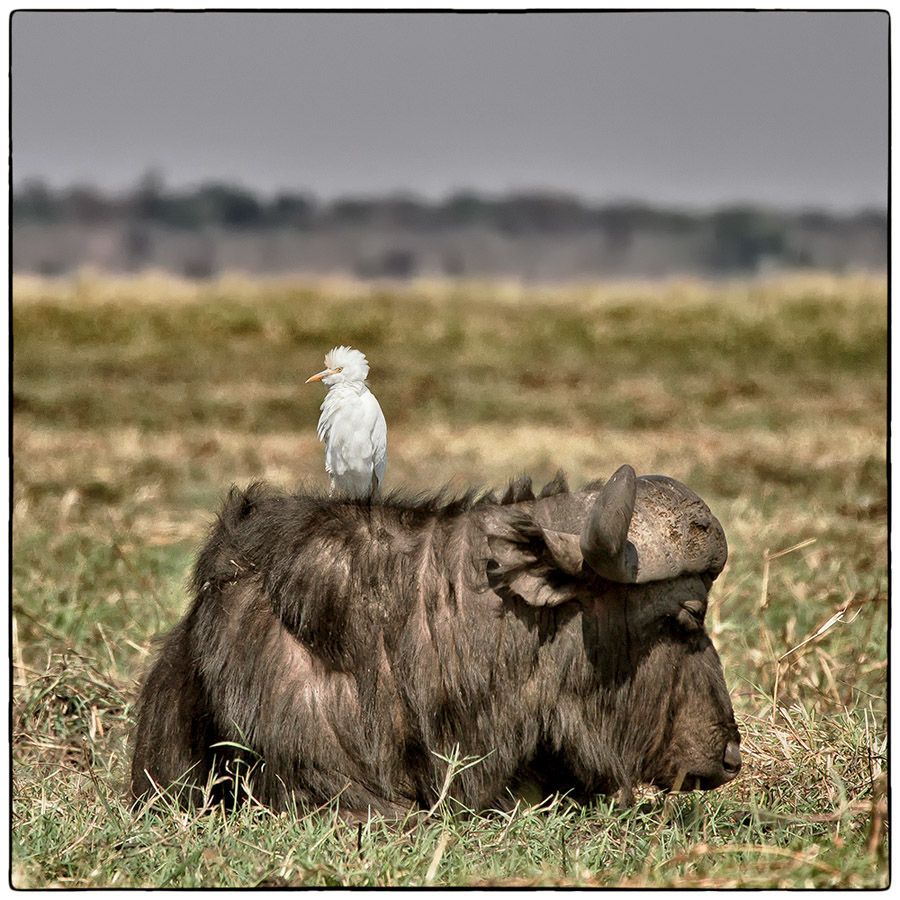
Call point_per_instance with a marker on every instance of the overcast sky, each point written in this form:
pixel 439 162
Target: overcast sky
pixel 674 108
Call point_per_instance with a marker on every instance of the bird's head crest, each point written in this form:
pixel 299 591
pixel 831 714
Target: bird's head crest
pixel 353 363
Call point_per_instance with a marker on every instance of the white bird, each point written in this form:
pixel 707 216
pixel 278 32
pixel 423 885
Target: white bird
pixel 352 425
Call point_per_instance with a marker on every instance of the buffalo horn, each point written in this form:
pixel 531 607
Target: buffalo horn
pixel 670 533
pixel 604 540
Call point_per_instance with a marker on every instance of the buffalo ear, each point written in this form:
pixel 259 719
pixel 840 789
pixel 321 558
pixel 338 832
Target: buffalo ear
pixel 565 550
pixel 533 563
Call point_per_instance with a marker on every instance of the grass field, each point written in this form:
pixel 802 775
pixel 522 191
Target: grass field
pixel 138 402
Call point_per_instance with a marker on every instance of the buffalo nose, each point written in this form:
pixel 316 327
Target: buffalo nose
pixel 731 762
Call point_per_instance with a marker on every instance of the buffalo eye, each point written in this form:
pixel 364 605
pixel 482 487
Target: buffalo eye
pixel 691 614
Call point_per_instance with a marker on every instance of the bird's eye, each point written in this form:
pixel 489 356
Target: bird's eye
pixel 339 369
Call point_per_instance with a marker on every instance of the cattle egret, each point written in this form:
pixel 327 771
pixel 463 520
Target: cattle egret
pixel 352 425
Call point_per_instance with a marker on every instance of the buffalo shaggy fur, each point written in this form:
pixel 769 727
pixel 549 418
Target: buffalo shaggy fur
pixel 349 644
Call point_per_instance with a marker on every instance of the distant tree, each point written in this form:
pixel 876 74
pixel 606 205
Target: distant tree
pixel 871 218
pixel 201 262
pixel 137 246
pixel 148 199
pixel 737 238
pixel 86 205
pixel 292 210
pixel 465 208
pixel 184 211
pixel 540 212
pixel 407 212
pixel 815 220
pixel 626 218
pixel 151 203
pixel 229 205
pixel 618 224
pixel 351 211
pixel 34 201
pixel 742 236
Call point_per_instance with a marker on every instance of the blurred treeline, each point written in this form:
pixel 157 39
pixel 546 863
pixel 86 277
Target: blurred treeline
pixel 213 226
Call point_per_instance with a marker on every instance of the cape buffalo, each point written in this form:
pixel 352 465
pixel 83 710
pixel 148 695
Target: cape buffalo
pixel 349 644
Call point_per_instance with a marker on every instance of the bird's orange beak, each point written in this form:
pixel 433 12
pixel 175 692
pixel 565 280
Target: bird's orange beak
pixel 319 376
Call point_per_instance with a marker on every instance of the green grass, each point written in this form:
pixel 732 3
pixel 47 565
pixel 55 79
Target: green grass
pixel 138 402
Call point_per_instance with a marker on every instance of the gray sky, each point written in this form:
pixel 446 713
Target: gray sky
pixel 675 108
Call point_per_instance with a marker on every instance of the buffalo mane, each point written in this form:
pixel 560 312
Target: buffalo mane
pixel 247 517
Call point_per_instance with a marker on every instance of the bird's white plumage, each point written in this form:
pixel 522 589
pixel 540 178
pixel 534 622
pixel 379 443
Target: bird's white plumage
pixel 352 425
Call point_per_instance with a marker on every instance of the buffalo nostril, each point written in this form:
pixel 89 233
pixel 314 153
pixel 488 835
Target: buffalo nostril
pixel 731 762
